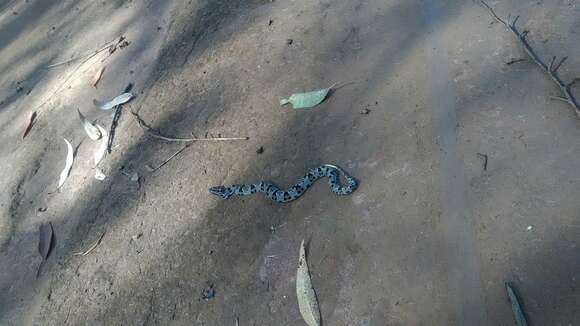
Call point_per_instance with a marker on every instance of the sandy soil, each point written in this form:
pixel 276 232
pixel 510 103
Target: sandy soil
pixel 429 238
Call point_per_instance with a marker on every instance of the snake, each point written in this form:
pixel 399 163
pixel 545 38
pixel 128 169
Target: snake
pixel 276 194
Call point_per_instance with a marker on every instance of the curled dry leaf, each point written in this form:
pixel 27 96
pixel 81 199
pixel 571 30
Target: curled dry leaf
pixel 68 164
pixel 100 153
pixel 29 123
pixel 92 131
pixel 307 302
pixel 97 76
pixel 121 99
pixel 99 175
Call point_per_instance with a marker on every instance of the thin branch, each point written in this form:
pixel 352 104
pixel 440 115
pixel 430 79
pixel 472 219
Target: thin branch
pixel 171 157
pixel 559 98
pixel 158 135
pixel 574 81
pixel 512 61
pixel 91 248
pixel 565 89
pixel 85 56
pixel 69 76
pixel 559 64
pixel 552 63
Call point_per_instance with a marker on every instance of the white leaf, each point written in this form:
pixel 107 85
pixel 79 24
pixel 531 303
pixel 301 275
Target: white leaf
pixel 100 153
pixel 307 302
pixel 92 131
pixel 99 175
pixel 68 165
pixel 123 98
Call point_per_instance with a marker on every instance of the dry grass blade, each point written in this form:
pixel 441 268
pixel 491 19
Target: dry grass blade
pixel 551 70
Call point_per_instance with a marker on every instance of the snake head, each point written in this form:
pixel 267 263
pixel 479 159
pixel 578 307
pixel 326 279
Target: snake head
pixel 220 191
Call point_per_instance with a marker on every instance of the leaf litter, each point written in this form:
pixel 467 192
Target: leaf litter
pixel 45 239
pixel 93 132
pixel 97 77
pixel 516 307
pixel 121 99
pixel 307 302
pixel 68 164
pixel 29 123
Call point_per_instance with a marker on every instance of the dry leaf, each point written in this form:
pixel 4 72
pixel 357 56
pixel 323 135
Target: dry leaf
pixel 99 175
pixel 307 302
pixel 123 98
pixel 68 165
pixel 92 131
pixel 29 123
pixel 100 153
pixel 45 240
pixel 97 77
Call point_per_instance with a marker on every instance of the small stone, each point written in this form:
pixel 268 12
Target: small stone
pixel 137 236
pixel 289 41
pixel 260 150
pixel 365 111
pixel 208 293
pixel 270 22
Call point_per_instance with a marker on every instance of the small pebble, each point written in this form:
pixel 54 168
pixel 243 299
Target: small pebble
pixel 260 150
pixel 289 41
pixel 530 228
pixel 208 293
pixel 365 111
pixel 270 22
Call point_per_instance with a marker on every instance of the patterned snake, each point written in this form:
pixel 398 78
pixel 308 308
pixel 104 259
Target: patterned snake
pixel 283 196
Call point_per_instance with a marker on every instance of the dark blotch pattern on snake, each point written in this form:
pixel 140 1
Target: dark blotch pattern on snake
pixel 283 196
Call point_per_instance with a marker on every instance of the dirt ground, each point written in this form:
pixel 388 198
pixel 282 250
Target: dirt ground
pixel 429 238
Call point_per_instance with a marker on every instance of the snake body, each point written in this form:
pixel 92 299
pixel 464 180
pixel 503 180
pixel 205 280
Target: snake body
pixel 283 196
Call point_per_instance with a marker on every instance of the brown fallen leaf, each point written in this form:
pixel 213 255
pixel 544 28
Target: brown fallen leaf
pixel 45 240
pixel 97 77
pixel 45 236
pixel 29 123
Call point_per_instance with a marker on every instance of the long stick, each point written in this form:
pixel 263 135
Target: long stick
pixel 157 135
pixel 551 70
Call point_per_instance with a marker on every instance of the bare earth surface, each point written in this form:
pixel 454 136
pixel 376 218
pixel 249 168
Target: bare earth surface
pixel 429 238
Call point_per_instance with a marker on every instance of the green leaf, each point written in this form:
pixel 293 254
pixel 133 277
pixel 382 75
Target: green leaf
pixel 306 100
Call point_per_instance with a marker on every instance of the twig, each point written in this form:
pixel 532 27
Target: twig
pixel 485 158
pixel 171 157
pixel 550 70
pixel 87 56
pixel 114 123
pixel 512 61
pixel 91 248
pixel 67 79
pixel 157 135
